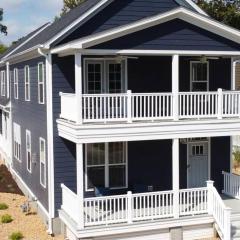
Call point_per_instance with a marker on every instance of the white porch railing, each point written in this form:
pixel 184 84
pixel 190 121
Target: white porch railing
pixel 130 208
pixel 231 185
pixel 129 107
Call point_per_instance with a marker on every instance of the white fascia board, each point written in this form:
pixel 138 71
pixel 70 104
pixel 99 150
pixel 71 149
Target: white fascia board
pixel 77 21
pixel 27 40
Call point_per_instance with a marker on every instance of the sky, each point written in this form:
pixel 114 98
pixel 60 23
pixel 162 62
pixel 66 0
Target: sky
pixel 23 16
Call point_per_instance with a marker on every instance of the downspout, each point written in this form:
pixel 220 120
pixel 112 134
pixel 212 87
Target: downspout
pixel 51 202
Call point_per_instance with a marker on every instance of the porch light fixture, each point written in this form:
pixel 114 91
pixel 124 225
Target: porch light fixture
pixel 203 59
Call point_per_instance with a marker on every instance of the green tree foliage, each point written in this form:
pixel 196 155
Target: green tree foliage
pixel 3 48
pixel 236 155
pixel 227 12
pixel 70 4
pixel 3 29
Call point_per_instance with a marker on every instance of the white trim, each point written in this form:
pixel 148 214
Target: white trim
pixel 50 146
pixel 191 74
pixel 42 161
pixel 181 13
pixel 41 83
pixel 3 83
pixel 7 79
pixel 28 137
pixel 27 86
pixel 196 7
pixel 15 83
pixel 27 40
pixel 77 21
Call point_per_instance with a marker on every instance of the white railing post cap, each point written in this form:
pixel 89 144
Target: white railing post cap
pixel 129 91
pixel 210 183
pixel 129 193
pixel 220 90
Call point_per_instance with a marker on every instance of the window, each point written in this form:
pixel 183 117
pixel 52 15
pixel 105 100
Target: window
pixel 41 89
pixel 3 83
pixel 17 141
pixel 115 77
pixel 27 83
pixel 15 80
pixel 6 125
pixel 42 153
pixel 106 165
pixel 28 151
pixel 199 76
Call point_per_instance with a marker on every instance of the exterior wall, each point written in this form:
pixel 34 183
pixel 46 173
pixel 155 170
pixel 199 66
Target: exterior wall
pixel 32 116
pixel 123 12
pixel 173 35
pixel 64 151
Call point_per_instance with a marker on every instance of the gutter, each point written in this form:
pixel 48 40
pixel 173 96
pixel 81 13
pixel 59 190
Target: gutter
pixel 51 201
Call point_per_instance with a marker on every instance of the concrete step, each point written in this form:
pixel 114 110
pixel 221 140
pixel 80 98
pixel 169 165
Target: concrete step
pixel 235 229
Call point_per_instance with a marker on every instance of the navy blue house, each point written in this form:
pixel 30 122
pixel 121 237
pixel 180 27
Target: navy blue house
pixel 117 120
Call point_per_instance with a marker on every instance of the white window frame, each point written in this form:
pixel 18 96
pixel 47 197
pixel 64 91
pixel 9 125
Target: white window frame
pixel 3 83
pixel 27 83
pixel 41 82
pixel 107 166
pixel 42 161
pixel 17 142
pixel 28 150
pixel 15 80
pixel 191 75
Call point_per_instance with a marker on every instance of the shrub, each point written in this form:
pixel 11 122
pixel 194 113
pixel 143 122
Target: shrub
pixel 16 236
pixel 6 218
pixel 3 206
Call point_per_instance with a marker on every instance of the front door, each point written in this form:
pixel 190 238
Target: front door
pixel 197 164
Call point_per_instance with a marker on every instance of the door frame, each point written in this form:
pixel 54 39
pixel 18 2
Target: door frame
pixel 104 62
pixel 191 73
pixel 208 140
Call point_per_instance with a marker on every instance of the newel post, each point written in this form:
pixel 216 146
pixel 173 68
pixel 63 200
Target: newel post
pixel 220 103
pixel 129 206
pixel 129 106
pixel 175 86
pixel 210 196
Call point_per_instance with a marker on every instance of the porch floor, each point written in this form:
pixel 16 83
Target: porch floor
pixel 233 203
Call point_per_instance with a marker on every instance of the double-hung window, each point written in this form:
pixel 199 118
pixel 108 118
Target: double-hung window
pixel 27 83
pixel 28 151
pixel 17 141
pixel 3 83
pixel 106 165
pixel 15 80
pixel 42 153
pixel 41 88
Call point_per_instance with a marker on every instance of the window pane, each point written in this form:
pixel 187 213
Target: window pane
pixel 114 76
pixel 40 72
pixel 201 86
pixel 96 177
pixel 96 154
pixel 116 153
pixel 43 180
pixel 94 78
pixel 200 72
pixel 41 93
pixel 117 176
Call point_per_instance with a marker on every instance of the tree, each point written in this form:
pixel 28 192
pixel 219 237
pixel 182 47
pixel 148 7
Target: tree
pixel 3 48
pixel 3 29
pixel 70 4
pixel 224 11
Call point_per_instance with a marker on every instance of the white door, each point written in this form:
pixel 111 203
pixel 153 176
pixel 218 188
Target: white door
pixel 197 164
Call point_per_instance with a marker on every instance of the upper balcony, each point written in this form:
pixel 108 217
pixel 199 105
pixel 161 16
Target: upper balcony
pixel 151 107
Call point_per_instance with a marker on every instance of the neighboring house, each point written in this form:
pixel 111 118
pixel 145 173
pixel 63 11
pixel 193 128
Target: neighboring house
pixel 120 112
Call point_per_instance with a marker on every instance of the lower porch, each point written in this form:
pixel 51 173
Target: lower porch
pixel 148 181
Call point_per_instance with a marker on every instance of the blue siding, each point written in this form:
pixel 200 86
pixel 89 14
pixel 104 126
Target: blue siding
pixel 64 151
pixel 173 35
pixel 31 116
pixel 120 13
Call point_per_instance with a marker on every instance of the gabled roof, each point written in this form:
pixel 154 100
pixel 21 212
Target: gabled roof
pixel 72 19
pixel 181 13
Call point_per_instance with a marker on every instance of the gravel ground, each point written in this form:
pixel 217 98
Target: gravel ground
pixel 30 225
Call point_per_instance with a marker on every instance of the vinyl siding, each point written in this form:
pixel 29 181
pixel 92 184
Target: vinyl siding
pixel 172 35
pixel 32 116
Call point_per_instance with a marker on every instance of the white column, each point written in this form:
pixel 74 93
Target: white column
pixel 175 85
pixel 233 74
pixel 175 176
pixel 80 188
pixel 78 86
